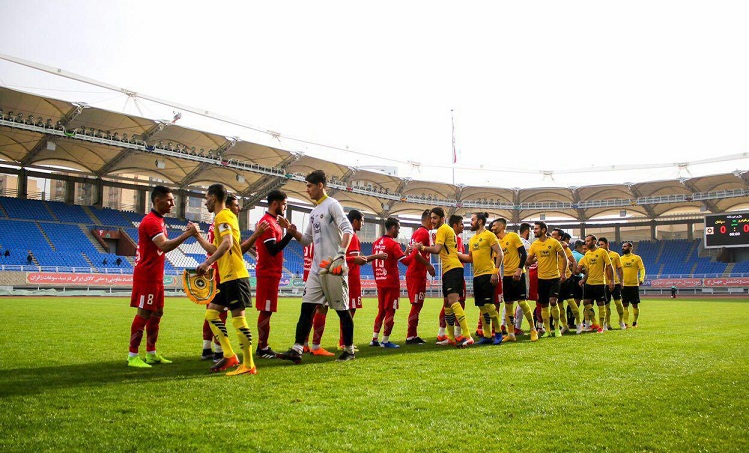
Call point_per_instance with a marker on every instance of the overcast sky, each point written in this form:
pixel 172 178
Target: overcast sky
pixel 534 86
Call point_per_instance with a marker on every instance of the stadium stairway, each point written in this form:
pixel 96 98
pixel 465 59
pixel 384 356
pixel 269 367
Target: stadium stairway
pixel 51 212
pixel 728 270
pixel 49 241
pixel 2 212
pixel 91 214
pixel 88 235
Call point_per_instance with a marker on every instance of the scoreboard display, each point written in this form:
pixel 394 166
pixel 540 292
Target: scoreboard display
pixel 727 230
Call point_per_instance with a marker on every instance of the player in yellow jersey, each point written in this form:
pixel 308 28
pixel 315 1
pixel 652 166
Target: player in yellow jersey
pixel 445 245
pixel 567 288
pixel 633 277
pixel 616 294
pixel 513 281
pixel 596 267
pixel 486 256
pixel 234 289
pixel 546 251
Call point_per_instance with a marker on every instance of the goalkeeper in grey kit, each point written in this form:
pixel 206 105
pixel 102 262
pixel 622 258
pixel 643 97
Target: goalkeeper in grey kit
pixel 330 231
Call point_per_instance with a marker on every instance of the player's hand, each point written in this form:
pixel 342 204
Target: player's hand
pixel 360 260
pixel 203 268
pixel 192 229
pixel 262 227
pixel 383 256
pixel 582 283
pixel 562 279
pixel 518 273
pixel 611 286
pixel 430 269
pixel 283 222
pixel 418 246
pixel 291 229
pixel 494 279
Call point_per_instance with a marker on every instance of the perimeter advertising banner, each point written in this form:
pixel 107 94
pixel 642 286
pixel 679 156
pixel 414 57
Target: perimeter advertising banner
pixel 53 278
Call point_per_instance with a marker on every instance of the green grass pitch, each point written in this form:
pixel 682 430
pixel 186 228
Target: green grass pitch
pixel 680 382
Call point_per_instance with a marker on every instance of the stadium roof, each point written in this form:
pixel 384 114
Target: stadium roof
pixel 102 144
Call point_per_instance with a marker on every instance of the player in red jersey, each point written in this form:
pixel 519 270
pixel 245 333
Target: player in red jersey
pixel 456 223
pixel 269 268
pixel 416 277
pixel 388 282
pixel 148 277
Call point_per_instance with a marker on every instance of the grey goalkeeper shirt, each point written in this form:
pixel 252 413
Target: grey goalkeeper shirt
pixel 327 225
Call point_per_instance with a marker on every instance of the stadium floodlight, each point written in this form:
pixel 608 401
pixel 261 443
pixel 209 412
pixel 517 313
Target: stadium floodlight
pixel 160 164
pixel 240 179
pixel 51 146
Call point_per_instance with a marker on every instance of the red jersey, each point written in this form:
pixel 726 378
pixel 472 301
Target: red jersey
pixel 149 260
pixel 415 268
pixel 269 265
pixel 354 270
pixel 309 253
pixel 386 271
pixel 459 240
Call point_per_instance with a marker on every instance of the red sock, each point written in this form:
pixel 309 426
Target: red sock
pixel 263 329
pixel 152 332
pixel 318 327
pixel 480 326
pixel 389 321
pixel 379 320
pixel 413 320
pixel 207 334
pixel 443 324
pixel 136 332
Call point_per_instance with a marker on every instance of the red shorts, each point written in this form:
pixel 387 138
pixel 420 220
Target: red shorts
pixel 354 296
pixel 266 294
pixel 533 283
pixel 497 291
pixel 387 298
pixel 148 296
pixel 417 288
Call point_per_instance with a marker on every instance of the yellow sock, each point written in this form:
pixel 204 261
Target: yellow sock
pixel 219 330
pixel 509 312
pixel 460 318
pixel 619 309
pixel 245 339
pixel 485 326
pixel 575 310
pixel 555 315
pixel 562 314
pixel 635 313
pixel 601 315
pixel 528 313
pixel 494 316
pixel 545 318
pixel 608 314
pixel 590 315
pixel 626 314
pixel 450 326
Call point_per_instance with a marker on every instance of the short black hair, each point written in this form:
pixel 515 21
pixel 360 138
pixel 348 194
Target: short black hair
pixel 593 236
pixel 558 231
pixel 525 226
pixel 455 219
pixel 425 214
pixel 501 220
pixel 276 195
pixel 439 211
pixel 391 222
pixel 482 217
pixel 158 192
pixel 354 214
pixel 317 177
pixel 230 199
pixel 566 237
pixel 219 191
pixel 579 243
pixel 604 240
pixel 542 225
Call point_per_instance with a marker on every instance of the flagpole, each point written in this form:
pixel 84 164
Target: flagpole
pixel 455 155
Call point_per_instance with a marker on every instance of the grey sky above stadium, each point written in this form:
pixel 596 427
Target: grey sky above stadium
pixel 540 90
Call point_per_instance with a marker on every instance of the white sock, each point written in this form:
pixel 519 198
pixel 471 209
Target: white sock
pixel 298 348
pixel 386 338
pixel 217 347
pixel 132 354
pixel 519 315
pixel 458 330
pixel 441 332
pixel 207 344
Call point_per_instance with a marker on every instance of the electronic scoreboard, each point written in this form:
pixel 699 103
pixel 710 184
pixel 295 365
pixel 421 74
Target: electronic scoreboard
pixel 730 229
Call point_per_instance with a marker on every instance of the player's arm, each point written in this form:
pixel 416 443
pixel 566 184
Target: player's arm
pixel 433 249
pixel 641 268
pixel 304 239
pixel 221 250
pixel 498 259
pixel 207 246
pixel 250 241
pixel 531 260
pixel 167 245
pixel 609 272
pixel 275 247
pixel 620 272
pixel 563 267
pixel 581 268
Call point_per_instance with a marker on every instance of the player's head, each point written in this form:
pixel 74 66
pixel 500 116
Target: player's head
pixel 590 242
pixel 426 220
pixel 392 227
pixel 603 243
pixel 437 215
pixel 232 203
pixel 316 182
pixel 566 237
pixel 540 228
pixel 498 225
pixel 456 223
pixel 356 218
pixel 557 234
pixel 162 199
pixel 525 230
pixel 215 197
pixel 478 220
pixel 579 244
pixel 627 247
pixel 276 202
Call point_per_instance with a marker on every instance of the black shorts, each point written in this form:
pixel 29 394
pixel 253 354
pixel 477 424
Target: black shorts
pixel 453 282
pixel 514 290
pixel 483 290
pixel 617 294
pixel 631 294
pixel 547 288
pixel 577 290
pixel 566 289
pixel 596 293
pixel 235 294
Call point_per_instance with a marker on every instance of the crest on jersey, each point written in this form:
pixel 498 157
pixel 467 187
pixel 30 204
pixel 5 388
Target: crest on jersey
pixel 201 289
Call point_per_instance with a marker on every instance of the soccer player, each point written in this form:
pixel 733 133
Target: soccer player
pixel 234 290
pixel 616 294
pixel 597 270
pixel 331 233
pixel 566 288
pixel 387 279
pixel 456 223
pixel 633 276
pixel 148 277
pixel 269 268
pixel 531 280
pixel 453 283
pixel 513 281
pixel 486 256
pixel 546 251
pixel 416 277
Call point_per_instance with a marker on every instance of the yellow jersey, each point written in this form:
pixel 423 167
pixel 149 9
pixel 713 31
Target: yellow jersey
pixel 449 254
pixel 595 262
pixel 231 265
pixel 631 266
pixel 616 263
pixel 547 252
pixel 480 247
pixel 564 261
pixel 509 245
